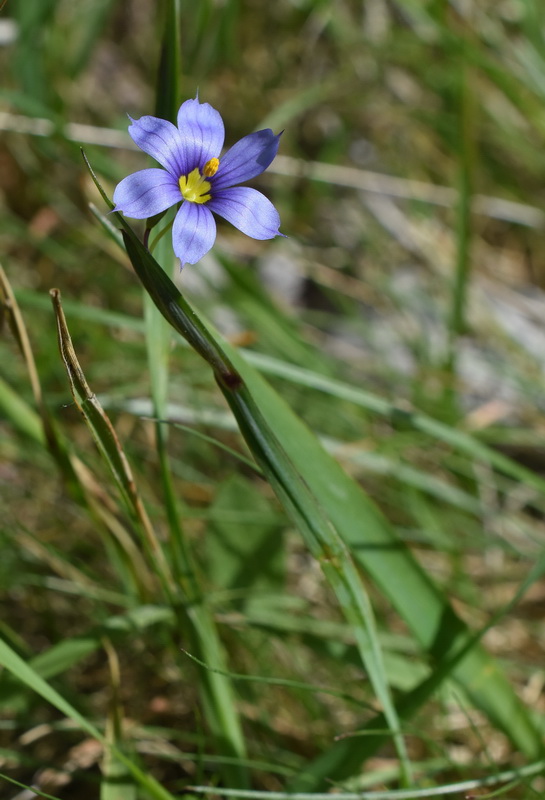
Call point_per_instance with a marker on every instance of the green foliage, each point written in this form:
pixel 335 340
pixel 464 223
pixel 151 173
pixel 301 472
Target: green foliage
pixel 245 548
pixel 305 552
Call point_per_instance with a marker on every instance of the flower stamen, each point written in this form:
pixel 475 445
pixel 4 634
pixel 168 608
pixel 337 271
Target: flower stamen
pixel 211 167
pixel 194 187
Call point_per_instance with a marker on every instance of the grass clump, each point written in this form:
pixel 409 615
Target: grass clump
pixel 274 525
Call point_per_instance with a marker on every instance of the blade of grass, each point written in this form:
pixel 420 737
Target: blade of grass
pixel 117 780
pixel 407 418
pixel 364 530
pixel 324 543
pixel 458 788
pixel 157 331
pixel 81 483
pixel 292 490
pixel 158 340
pixel 309 687
pixel 458 439
pixel 55 443
pixel 20 413
pixel 466 169
pixel 217 692
pixel 24 673
pixel 109 445
pixel 168 91
pixel 32 790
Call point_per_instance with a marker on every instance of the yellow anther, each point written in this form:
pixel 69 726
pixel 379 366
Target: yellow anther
pixel 211 167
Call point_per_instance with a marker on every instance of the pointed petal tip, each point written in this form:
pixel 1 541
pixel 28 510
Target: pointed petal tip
pixel 247 159
pixel 201 128
pixel 248 210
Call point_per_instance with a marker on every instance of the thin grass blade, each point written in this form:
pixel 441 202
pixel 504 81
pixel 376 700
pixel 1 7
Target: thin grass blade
pixel 108 444
pixel 363 529
pixel 24 673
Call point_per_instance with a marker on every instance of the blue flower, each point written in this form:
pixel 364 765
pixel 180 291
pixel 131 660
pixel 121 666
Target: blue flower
pixel 194 174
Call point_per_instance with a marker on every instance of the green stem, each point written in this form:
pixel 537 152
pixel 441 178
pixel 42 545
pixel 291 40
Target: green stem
pixel 217 692
pixel 290 486
pixel 457 324
pixel 169 74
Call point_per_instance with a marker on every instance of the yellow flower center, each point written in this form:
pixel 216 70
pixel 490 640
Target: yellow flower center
pixel 194 187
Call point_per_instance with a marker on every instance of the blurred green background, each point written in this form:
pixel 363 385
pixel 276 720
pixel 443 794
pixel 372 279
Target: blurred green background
pixel 410 184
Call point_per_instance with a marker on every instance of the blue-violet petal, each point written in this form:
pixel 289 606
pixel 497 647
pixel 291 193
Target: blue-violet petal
pixel 146 193
pixel 193 232
pixel 162 141
pixel 248 210
pixel 202 131
pixel 249 157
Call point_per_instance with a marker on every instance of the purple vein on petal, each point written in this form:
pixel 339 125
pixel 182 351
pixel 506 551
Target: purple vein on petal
pixel 146 193
pixel 201 128
pixel 193 232
pixel 248 210
pixel 246 159
pixel 162 141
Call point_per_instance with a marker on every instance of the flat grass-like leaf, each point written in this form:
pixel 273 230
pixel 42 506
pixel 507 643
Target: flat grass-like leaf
pixel 392 566
pixel 291 487
pixel 108 444
pixel 219 700
pixel 117 779
pixel 170 66
pixel 291 452
pixel 376 463
pixel 27 675
pixel 223 716
pixel 22 416
pixel 458 439
pixel 301 471
pixel 55 442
